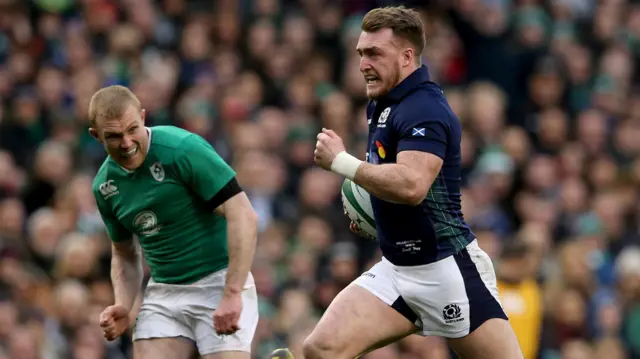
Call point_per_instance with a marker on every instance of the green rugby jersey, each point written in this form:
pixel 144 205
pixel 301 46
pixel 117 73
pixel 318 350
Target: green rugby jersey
pixel 164 204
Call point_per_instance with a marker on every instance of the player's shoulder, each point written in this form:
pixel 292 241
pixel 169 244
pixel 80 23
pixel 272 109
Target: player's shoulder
pixel 170 141
pixel 426 103
pixel 426 96
pixel 173 143
pixel 169 136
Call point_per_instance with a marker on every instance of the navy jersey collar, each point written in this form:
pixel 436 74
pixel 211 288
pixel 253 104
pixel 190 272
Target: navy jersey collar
pixel 417 78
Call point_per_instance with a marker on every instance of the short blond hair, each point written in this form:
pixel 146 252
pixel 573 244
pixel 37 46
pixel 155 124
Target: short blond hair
pixel 405 23
pixel 111 102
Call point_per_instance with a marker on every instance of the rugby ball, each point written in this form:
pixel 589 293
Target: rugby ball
pixel 357 206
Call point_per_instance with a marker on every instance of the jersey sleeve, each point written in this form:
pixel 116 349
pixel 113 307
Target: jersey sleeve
pixel 202 169
pixel 419 132
pixel 116 231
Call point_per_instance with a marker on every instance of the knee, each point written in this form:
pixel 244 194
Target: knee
pixel 315 348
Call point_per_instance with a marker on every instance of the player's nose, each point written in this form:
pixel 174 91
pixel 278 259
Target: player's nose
pixel 365 64
pixel 127 142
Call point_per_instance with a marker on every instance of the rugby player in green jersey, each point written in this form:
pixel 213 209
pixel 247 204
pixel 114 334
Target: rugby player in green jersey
pixel 165 190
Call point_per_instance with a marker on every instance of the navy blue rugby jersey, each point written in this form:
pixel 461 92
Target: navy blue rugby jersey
pixel 415 116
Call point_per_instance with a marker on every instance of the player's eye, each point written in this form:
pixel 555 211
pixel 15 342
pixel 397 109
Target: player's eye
pixel 133 129
pixel 369 53
pixel 112 136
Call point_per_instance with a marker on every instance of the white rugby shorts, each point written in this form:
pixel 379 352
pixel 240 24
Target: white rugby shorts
pixel 449 298
pixel 169 311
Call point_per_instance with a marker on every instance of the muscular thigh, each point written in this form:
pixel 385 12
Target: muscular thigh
pixel 356 322
pixel 491 335
pixel 454 296
pixel 494 339
pixel 164 348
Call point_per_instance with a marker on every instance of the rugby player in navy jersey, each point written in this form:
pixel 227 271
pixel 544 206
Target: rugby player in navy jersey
pixel 433 279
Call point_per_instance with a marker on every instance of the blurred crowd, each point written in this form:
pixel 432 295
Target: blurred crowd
pixel 546 92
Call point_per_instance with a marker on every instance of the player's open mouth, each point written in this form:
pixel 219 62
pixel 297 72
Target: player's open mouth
pixel 130 153
pixel 371 79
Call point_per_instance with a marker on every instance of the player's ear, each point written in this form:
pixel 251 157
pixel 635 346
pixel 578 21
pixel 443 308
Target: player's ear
pixel 94 133
pixel 143 115
pixel 408 56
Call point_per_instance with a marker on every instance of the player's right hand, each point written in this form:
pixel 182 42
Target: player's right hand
pixel 114 320
pixel 353 227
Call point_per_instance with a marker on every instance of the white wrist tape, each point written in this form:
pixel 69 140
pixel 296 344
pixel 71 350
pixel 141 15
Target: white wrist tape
pixel 346 165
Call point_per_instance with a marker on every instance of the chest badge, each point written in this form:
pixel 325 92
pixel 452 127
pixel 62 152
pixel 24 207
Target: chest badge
pixel 146 223
pixel 157 171
pixel 382 120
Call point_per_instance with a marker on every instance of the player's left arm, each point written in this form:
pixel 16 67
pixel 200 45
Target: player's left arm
pixel 242 234
pixel 214 181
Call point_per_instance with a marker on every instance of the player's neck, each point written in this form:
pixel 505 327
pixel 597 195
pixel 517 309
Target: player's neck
pixel 406 72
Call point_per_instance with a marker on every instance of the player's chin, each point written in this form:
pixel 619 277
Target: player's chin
pixel 131 163
pixel 374 91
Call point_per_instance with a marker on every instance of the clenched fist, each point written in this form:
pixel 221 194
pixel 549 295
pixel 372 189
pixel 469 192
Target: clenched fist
pixel 114 320
pixel 328 146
